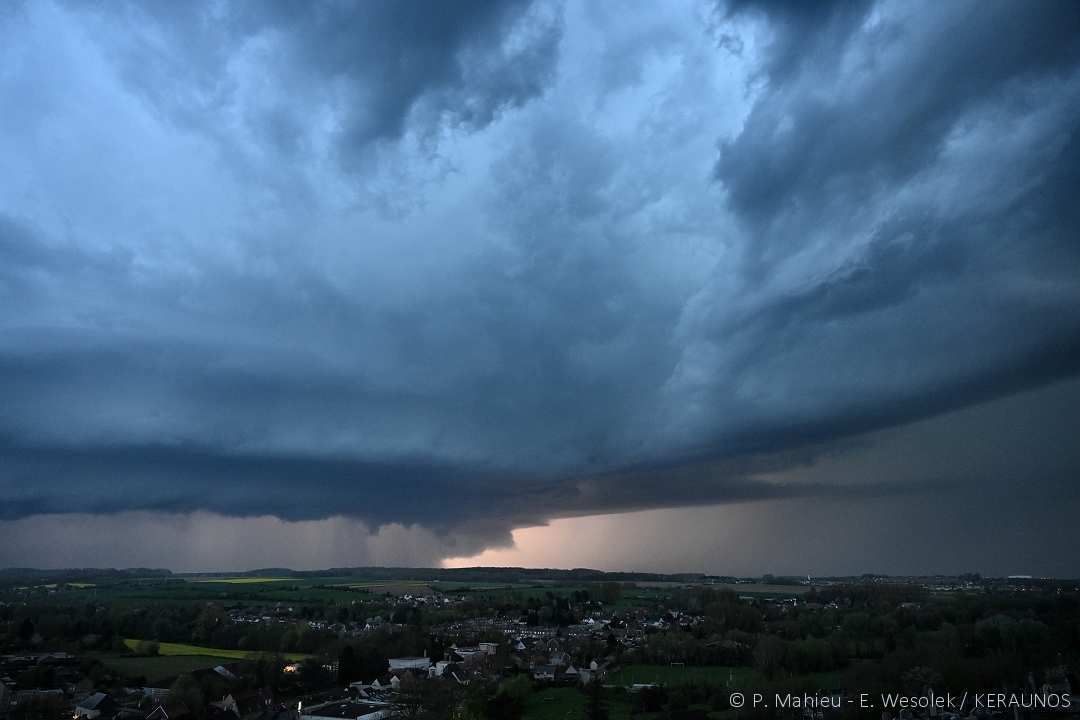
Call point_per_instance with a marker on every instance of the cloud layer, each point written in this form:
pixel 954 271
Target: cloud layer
pixel 480 265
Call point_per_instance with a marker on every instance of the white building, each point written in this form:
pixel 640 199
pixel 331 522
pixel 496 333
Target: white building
pixel 94 705
pixel 410 663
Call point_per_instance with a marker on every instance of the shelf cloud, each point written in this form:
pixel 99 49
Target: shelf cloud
pixel 470 267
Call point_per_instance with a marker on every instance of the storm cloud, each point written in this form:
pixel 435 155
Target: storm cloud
pixel 474 266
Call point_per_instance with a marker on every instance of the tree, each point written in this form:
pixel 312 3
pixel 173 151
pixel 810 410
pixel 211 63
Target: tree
pixel 148 647
pixel 519 687
pixel 473 705
pixel 26 630
pixel 595 705
pixel 504 706
pixel 610 592
pixel 1001 631
pixel 678 701
pixel 652 698
pixel 348 666
pixel 187 691
pixel 768 654
pixel 411 698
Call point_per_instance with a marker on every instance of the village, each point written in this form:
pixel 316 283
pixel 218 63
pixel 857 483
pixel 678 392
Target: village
pixel 312 649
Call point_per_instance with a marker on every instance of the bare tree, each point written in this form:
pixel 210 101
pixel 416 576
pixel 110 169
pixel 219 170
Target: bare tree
pixel 768 655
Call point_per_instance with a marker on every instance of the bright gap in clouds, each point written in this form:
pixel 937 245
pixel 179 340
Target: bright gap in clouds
pixel 930 533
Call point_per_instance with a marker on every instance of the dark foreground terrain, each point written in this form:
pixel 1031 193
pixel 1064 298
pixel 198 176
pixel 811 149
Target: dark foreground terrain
pixel 508 643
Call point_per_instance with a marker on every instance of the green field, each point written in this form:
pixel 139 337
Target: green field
pixel 387 584
pixel 285 595
pixel 556 704
pixel 822 681
pixel 758 589
pixel 674 676
pixel 221 591
pixel 241 580
pixel 173 649
pixel 159 668
pixel 539 592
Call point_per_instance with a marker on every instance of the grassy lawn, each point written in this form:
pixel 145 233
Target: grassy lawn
pixel 626 706
pixel 820 681
pixel 556 704
pixel 158 668
pixel 173 649
pixel 569 704
pixel 673 676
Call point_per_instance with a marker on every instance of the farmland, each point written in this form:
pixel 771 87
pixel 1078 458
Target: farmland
pixel 174 649
pixel 240 580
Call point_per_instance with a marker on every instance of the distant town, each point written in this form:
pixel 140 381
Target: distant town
pixel 512 643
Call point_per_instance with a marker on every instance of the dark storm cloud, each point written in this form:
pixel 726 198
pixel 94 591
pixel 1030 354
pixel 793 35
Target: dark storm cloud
pixel 371 65
pixel 802 29
pixel 882 163
pixel 460 265
pixel 809 144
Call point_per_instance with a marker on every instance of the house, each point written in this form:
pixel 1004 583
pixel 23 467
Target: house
pixel 400 675
pixel 159 691
pixel 346 710
pixel 544 672
pixel 5 696
pixel 168 711
pixel 223 672
pixel 383 682
pixel 569 673
pixel 246 706
pixel 208 674
pixel 96 705
pixel 441 667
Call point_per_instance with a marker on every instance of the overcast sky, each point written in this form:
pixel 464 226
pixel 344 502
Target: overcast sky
pixel 381 283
